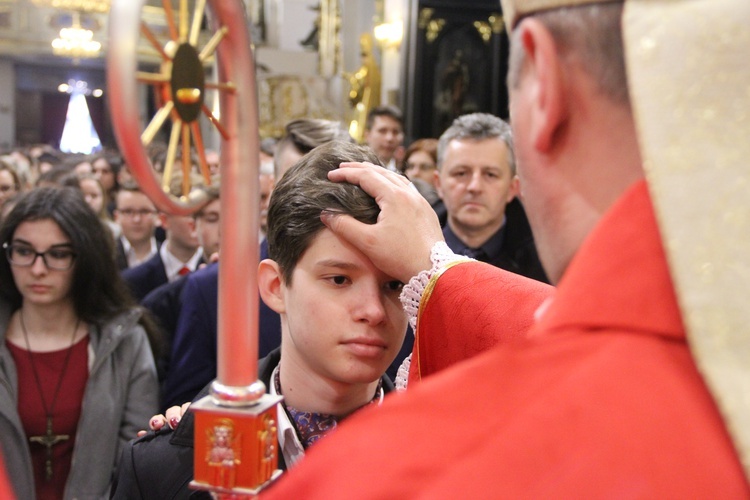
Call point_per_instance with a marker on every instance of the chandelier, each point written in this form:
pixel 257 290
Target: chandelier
pixel 101 6
pixel 76 42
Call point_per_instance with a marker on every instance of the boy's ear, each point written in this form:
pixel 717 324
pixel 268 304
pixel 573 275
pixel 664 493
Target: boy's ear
pixel 270 285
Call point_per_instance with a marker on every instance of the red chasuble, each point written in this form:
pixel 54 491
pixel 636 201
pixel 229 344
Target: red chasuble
pixel 6 490
pixel 602 400
pixel 442 338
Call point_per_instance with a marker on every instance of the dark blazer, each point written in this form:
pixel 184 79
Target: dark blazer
pixel 145 277
pixel 517 253
pixel 160 464
pixel 120 259
pixel 165 304
pixel 193 359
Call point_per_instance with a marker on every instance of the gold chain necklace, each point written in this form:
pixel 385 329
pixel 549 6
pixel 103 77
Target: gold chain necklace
pixel 49 439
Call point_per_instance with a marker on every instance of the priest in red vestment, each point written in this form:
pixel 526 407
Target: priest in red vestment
pixel 603 396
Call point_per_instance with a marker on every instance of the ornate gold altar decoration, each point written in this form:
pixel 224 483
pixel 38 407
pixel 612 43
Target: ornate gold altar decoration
pixel 238 415
pixel 690 89
pixel 493 26
pixel 365 88
pixel 431 27
pixel 329 43
pixel 283 98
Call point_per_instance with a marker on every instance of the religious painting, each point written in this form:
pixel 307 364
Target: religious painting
pixel 457 65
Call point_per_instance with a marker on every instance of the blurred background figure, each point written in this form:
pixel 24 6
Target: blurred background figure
pixel 135 213
pixel 93 193
pixel 384 133
pixel 420 166
pixel 178 255
pixel 105 168
pixel 10 183
pixel 420 160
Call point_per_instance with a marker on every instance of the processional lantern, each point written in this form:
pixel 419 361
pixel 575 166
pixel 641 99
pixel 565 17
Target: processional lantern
pixel 236 426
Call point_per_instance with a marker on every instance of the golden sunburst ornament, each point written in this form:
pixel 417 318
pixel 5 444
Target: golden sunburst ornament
pixel 180 87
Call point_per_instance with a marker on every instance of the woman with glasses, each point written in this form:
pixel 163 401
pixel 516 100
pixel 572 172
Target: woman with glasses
pixel 77 376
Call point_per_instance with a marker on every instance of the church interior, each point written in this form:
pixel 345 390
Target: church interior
pixel 332 59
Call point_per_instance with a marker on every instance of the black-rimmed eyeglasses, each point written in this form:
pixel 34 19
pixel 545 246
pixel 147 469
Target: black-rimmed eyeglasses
pixel 59 259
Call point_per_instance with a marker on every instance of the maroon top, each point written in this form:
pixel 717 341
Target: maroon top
pixel 66 409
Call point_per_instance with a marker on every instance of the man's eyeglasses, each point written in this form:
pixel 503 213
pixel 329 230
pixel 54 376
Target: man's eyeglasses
pixel 130 213
pixel 59 259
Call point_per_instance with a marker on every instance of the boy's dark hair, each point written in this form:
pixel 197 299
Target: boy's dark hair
pixel 386 110
pixel 304 192
pixel 307 134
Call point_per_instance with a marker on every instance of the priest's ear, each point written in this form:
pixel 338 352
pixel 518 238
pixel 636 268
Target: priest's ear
pixel 544 85
pixel 271 285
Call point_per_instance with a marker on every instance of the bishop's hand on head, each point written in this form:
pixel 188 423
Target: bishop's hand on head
pixel 398 201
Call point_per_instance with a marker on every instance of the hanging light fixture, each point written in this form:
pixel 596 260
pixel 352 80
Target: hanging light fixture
pixel 76 41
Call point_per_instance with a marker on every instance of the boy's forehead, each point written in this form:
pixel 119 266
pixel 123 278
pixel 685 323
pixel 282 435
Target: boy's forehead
pixel 327 250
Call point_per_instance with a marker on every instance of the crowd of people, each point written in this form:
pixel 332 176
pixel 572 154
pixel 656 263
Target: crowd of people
pixel 406 309
pixel 164 269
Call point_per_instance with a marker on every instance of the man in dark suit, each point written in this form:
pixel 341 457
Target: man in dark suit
pixel 136 215
pixel 165 302
pixel 477 181
pixel 192 362
pixel 180 254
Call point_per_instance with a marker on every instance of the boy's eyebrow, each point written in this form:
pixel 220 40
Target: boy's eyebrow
pixel 343 265
pixel 336 263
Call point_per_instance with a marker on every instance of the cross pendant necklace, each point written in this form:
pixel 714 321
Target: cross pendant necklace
pixel 48 440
